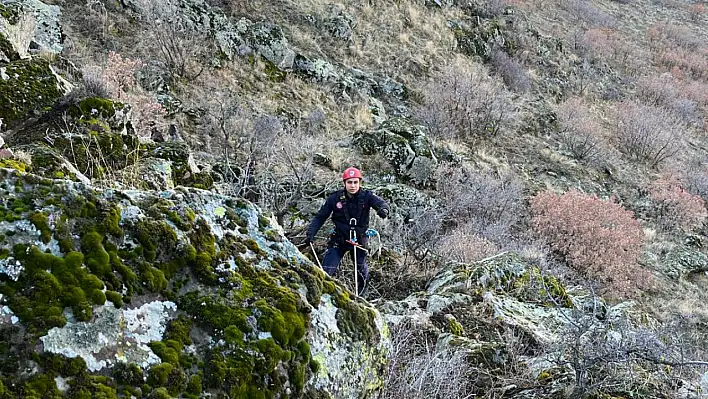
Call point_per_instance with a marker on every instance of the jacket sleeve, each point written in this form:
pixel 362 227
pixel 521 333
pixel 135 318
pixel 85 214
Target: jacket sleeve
pixel 377 202
pixel 320 218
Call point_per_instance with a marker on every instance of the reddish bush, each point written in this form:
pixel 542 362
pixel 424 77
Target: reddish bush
pixel 117 80
pixel 697 11
pixel 677 48
pixel 657 90
pixel 598 238
pixel 610 45
pixel 679 209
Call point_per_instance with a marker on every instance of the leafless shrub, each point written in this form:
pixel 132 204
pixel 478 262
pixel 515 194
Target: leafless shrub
pixel 511 71
pixel 262 158
pixel 584 11
pixel 314 122
pixel 646 133
pixel 466 104
pixel 584 74
pixel 487 8
pixel 678 208
pixel 609 352
pixel 603 351
pixel 420 234
pixel 417 371
pixel 488 205
pixel 608 45
pixel 93 83
pixel 665 34
pixel 180 43
pixel 697 179
pixel 688 111
pixel 579 131
pixel 657 90
pixel 683 99
pixel 463 245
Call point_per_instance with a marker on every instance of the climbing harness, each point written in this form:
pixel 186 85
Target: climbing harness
pixel 312 247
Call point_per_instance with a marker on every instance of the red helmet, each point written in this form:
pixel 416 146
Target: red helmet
pixel 351 173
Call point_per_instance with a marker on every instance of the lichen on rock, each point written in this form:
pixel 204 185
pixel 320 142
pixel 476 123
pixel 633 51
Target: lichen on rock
pixel 205 293
pixel 114 335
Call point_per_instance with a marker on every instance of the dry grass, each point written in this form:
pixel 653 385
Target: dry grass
pixel 401 39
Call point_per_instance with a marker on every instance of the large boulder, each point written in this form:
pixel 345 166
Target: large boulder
pixel 181 293
pixel 405 145
pixel 29 26
pixel 28 89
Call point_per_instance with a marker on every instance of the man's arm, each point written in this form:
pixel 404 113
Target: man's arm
pixel 319 219
pixel 381 206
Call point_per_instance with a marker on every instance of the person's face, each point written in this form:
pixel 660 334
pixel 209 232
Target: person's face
pixel 352 185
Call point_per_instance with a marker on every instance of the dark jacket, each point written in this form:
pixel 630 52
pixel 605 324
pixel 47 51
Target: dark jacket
pixel 342 207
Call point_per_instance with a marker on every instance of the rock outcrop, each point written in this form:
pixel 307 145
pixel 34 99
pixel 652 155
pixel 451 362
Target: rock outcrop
pixel 405 145
pixel 470 310
pixel 179 292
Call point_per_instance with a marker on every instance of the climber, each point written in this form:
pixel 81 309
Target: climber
pixel 350 214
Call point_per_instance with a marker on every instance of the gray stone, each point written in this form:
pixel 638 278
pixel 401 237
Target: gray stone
pixel 405 145
pixel 38 28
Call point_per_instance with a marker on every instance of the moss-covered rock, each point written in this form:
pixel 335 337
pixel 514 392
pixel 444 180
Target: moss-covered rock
pixel 28 88
pixel 170 294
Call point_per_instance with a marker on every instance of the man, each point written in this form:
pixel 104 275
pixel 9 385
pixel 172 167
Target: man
pixel 350 214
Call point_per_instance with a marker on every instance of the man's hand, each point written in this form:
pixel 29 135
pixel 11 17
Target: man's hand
pixel 383 213
pixel 309 240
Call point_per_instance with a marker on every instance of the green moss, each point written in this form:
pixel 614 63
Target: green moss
pixel 97 259
pixel 195 385
pixel 111 222
pixel 455 327
pixel 157 375
pixel 274 73
pixel 214 313
pixel 263 222
pixel 92 107
pixel 165 353
pixel 357 321
pixel 152 277
pixel 39 220
pixel 315 366
pixel 13 164
pixel 98 297
pixel 31 89
pixel 158 239
pixel 233 335
pixel 128 374
pixel 202 239
pixel 115 297
pixel 41 386
pixel 11 13
pixel 235 218
pixel 160 393
pixel 273 236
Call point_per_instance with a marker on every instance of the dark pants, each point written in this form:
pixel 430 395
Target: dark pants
pixel 334 256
